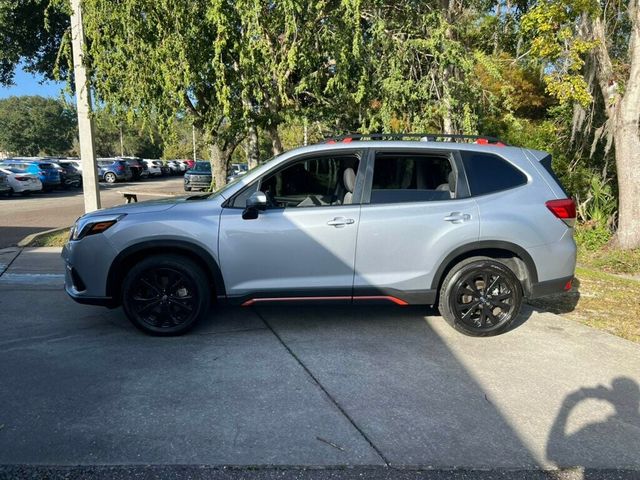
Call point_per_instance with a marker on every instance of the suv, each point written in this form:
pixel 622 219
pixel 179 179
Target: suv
pixel 139 169
pixel 474 228
pixel 113 170
pixel 198 177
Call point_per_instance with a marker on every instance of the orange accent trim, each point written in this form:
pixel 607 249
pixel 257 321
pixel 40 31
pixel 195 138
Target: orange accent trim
pixel 395 300
pixel 253 301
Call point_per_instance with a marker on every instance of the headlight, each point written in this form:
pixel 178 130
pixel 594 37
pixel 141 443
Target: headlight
pixel 93 224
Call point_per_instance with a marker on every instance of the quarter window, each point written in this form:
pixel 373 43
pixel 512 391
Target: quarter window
pixel 399 177
pixel 488 173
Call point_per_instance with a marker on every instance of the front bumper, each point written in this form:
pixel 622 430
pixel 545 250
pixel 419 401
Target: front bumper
pixel 87 264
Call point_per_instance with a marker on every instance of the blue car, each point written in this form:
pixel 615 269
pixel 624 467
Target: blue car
pixel 46 171
pixel 113 170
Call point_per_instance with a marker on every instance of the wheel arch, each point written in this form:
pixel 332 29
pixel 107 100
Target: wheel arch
pixel 134 253
pixel 516 257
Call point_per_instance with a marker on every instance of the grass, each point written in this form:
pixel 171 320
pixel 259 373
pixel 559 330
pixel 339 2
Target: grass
pixel 600 300
pixel 56 239
pixel 609 260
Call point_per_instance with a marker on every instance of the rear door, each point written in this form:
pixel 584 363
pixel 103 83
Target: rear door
pixel 416 209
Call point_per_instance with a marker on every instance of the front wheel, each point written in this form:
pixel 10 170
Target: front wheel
pixel 110 177
pixel 480 297
pixel 165 294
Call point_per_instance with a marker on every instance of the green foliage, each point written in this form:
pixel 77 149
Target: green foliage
pixel 36 126
pixel 553 25
pixel 592 236
pixel 32 34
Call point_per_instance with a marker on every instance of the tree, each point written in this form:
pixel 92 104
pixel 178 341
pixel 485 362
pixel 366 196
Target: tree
pixel 33 33
pixel 593 52
pixel 36 126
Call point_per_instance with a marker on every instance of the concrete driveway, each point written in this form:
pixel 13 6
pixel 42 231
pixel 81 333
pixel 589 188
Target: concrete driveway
pixel 365 387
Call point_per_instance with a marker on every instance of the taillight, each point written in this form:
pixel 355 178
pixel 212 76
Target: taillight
pixel 120 168
pixel 564 209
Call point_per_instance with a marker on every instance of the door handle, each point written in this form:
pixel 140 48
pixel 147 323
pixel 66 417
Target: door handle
pixel 340 222
pixel 457 217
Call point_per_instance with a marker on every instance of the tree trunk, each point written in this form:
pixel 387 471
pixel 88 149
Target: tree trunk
pixel 253 152
pixel 623 113
pixel 276 143
pixel 219 166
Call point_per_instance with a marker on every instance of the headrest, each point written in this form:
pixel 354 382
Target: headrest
pixel 452 181
pixel 349 179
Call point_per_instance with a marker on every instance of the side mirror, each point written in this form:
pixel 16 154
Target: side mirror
pixel 255 203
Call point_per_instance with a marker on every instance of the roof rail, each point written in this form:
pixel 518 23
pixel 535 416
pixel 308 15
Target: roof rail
pixel 427 137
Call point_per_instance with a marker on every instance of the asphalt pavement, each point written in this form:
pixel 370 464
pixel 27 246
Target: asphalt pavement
pixel 23 215
pixel 304 392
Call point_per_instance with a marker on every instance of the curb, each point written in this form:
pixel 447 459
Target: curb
pixel 30 238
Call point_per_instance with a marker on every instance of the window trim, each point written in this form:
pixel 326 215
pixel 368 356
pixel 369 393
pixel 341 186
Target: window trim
pixel 360 153
pixel 452 155
pixel 525 174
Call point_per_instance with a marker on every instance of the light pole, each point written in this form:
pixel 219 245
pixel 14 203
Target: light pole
pixel 83 106
pixel 193 136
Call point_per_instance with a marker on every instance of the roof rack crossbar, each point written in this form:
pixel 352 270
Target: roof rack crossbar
pixel 432 137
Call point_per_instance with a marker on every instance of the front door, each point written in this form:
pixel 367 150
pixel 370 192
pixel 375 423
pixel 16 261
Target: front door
pixel 304 244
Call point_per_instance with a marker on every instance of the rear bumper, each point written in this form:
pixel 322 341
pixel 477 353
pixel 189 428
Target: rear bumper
pixel 550 287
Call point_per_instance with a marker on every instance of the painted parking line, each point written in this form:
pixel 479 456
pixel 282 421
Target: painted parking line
pixel 48 279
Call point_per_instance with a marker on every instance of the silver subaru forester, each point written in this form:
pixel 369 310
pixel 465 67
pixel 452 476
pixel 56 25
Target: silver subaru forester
pixel 474 228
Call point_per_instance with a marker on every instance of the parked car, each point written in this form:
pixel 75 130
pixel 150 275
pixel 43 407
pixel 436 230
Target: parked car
pixel 19 181
pixel 4 183
pixel 175 167
pixel 114 170
pixel 153 166
pixel 189 163
pixel 70 177
pixel 472 228
pixel 236 170
pixel 139 169
pixel 46 171
pixel 199 177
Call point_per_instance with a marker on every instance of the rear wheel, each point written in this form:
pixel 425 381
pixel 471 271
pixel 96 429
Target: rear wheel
pixel 165 294
pixel 480 297
pixel 110 177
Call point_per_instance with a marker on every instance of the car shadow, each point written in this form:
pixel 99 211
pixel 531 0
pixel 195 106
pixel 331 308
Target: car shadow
pixel 559 303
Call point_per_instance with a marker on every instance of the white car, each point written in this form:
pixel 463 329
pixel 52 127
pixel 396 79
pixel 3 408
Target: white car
pixel 153 167
pixel 21 181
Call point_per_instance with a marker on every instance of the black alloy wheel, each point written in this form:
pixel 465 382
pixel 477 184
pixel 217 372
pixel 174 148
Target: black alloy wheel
pixel 165 295
pixel 481 297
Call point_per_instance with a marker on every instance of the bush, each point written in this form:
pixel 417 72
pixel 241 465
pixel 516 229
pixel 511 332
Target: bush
pixel 592 236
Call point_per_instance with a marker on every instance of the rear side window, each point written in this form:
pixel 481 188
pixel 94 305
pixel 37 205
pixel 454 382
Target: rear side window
pixel 404 177
pixel 488 173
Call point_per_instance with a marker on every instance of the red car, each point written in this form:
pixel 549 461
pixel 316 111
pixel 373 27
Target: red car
pixel 188 163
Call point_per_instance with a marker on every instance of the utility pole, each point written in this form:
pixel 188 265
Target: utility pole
pixel 83 106
pixel 121 142
pixel 193 136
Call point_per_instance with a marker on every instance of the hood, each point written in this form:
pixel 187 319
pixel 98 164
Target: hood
pixel 148 206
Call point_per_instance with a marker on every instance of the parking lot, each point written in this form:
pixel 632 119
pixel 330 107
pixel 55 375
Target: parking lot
pixel 23 215
pixel 366 387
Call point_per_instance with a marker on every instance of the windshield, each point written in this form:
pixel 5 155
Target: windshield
pixel 206 166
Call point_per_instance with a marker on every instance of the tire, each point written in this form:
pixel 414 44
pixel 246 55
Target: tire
pixel 469 308
pixel 110 177
pixel 165 295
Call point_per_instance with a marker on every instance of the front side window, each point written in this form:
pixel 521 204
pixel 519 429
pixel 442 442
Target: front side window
pixel 407 177
pixel 312 182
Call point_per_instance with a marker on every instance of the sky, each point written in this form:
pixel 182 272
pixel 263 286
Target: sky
pixel 28 84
